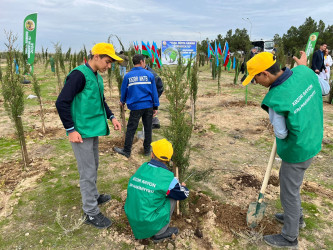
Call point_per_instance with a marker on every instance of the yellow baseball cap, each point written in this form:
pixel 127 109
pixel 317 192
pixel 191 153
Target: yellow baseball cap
pixel 162 149
pixel 105 49
pixel 258 64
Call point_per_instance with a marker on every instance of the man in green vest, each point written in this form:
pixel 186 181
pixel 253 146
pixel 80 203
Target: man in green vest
pixel 295 106
pixel 151 195
pixel 84 113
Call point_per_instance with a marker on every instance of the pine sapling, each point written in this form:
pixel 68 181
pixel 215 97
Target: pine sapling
pixel 119 79
pixel 180 129
pixel 236 71
pixel 36 88
pixel 213 68
pixel 219 72
pixel 194 89
pixel 12 91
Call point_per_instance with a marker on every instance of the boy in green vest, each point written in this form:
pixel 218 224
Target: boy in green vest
pixel 295 106
pixel 151 195
pixel 84 113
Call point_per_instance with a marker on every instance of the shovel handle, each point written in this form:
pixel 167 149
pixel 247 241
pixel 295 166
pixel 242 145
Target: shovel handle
pixel 268 170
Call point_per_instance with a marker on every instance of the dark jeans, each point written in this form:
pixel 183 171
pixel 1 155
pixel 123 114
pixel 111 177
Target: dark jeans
pixel 133 121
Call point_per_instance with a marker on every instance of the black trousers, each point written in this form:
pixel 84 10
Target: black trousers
pixel 133 121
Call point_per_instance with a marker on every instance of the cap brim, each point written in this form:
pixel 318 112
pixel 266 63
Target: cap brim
pixel 117 58
pixel 247 80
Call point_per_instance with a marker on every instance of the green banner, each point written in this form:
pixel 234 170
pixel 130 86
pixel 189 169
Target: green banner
pixel 29 38
pixel 311 44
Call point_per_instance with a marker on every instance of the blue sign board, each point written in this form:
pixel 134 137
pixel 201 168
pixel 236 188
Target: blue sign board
pixel 171 50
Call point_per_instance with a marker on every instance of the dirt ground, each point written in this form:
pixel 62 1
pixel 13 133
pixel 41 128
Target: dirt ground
pixel 229 136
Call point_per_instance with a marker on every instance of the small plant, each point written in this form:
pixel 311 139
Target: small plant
pixel 59 65
pixel 75 223
pixel 36 88
pixel 73 62
pixel 214 73
pixel 110 80
pixel 180 129
pixel 281 57
pixel 12 91
pixel 194 89
pixel 119 79
pixel 219 71
pixel 237 71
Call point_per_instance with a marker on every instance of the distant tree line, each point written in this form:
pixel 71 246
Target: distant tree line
pixel 290 43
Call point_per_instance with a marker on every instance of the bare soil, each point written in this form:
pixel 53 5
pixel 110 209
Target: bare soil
pixel 230 136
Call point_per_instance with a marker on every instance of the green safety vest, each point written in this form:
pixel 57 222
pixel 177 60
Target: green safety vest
pixel 87 108
pixel 147 207
pixel 299 100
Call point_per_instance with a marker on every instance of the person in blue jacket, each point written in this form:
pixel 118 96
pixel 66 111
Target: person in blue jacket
pixel 138 91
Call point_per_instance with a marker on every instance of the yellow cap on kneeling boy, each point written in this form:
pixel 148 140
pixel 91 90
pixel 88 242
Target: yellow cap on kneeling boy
pixel 162 149
pixel 258 64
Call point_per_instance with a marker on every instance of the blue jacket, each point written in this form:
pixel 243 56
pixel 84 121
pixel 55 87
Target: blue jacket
pixel 138 90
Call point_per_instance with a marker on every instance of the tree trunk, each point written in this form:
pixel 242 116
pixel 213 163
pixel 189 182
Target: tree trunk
pixel 192 110
pixel 122 113
pixel 42 115
pixel 20 133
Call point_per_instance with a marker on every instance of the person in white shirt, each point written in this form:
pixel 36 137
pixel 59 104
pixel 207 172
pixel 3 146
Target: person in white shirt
pixel 328 63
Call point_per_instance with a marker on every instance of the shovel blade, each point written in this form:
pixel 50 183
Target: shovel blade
pixel 255 213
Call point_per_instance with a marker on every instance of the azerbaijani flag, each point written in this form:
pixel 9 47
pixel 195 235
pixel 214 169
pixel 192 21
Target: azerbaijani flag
pixel 234 63
pixel 151 53
pixel 145 50
pixel 157 59
pixel 226 54
pixel 136 47
pixel 216 55
pixel 219 51
pixel 210 50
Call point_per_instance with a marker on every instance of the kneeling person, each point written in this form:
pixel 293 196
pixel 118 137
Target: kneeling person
pixel 152 193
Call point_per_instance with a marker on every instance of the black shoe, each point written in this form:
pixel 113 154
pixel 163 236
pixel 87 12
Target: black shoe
pixel 156 126
pixel 99 220
pixel 280 218
pixel 102 198
pixel 148 153
pixel 121 151
pixel 277 240
pixel 167 234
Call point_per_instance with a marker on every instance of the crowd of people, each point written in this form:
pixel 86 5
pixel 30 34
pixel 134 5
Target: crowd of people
pixel 153 190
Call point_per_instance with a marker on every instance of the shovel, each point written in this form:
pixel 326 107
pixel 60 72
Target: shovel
pixel 256 210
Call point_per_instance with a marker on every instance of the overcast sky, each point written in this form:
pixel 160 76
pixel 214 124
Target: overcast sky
pixel 77 22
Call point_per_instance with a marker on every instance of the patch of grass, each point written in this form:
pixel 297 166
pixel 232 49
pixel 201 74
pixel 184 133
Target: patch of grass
pixel 214 128
pixel 313 221
pixel 210 193
pixel 8 147
pixel 278 204
pixel 310 194
pixel 308 237
pixel 62 146
pixel 328 204
pixel 327 149
pixel 123 182
pixel 328 243
pixel 263 143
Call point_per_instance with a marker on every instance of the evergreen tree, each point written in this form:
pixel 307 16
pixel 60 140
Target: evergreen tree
pixel 12 91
